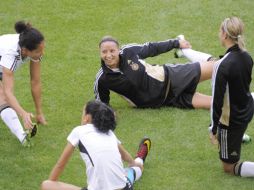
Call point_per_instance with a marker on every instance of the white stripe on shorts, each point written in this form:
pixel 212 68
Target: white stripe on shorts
pixel 224 144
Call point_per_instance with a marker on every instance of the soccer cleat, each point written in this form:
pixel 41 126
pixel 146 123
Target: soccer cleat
pixel 29 134
pixel 180 37
pixel 144 148
pixel 34 130
pixel 178 53
pixel 246 138
pixel 27 142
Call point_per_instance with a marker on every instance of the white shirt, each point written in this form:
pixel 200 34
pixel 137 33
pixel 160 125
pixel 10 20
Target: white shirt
pixel 10 52
pixel 104 166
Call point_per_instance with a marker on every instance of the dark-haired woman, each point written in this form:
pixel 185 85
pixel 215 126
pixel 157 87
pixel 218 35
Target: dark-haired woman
pixel 102 153
pixel 126 72
pixel 16 49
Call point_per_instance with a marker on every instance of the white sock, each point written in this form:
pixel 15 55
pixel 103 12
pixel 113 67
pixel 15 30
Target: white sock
pixel 139 160
pixel 10 118
pixel 195 56
pixel 138 172
pixel 247 169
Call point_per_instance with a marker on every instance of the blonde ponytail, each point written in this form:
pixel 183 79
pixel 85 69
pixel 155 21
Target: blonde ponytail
pixel 234 27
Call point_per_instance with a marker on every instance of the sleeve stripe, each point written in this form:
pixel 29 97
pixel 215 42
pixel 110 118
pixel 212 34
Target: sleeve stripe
pixel 130 45
pixel 14 65
pixel 98 75
pixel 215 69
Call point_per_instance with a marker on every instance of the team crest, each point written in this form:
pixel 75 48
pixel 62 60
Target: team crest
pixel 134 66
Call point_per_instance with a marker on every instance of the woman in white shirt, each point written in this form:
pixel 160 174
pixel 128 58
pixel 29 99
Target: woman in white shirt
pixel 102 153
pixel 15 49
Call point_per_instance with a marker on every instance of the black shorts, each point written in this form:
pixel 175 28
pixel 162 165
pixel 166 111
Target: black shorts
pixel 184 79
pixel 230 141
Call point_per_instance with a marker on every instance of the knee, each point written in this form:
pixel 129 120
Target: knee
pixel 45 185
pixel 206 70
pixel 228 168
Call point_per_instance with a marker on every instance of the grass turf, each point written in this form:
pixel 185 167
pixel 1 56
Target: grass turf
pixel 181 155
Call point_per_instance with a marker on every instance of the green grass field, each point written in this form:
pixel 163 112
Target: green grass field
pixel 181 156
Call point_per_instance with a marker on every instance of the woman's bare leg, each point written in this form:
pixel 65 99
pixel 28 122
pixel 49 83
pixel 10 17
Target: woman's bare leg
pixel 56 185
pixel 201 101
pixel 206 70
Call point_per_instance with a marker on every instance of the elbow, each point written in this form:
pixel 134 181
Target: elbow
pixel 45 185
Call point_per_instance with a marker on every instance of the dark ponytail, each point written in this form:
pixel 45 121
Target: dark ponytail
pixel 21 26
pixel 29 37
pixel 103 117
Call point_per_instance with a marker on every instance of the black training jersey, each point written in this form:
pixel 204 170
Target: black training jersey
pixel 142 84
pixel 232 103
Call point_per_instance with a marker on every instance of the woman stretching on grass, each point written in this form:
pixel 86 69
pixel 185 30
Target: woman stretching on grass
pixel 102 153
pixel 232 103
pixel 16 49
pixel 125 72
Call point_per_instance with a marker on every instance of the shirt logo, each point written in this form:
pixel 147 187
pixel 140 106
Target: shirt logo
pixel 134 66
pixel 234 153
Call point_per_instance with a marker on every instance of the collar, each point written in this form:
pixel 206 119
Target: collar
pixel 233 48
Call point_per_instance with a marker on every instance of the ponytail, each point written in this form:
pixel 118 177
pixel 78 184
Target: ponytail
pixel 29 37
pixel 21 26
pixel 234 28
pixel 240 42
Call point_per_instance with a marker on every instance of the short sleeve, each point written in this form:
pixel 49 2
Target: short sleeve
pixel 113 134
pixel 9 62
pixel 73 137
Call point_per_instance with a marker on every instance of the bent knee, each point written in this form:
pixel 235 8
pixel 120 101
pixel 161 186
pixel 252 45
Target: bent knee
pixel 206 70
pixel 45 185
pixel 228 168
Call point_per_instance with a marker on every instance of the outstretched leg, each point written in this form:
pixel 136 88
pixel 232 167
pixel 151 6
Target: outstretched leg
pixel 206 70
pixel 56 185
pixel 201 101
pixel 203 59
pixel 135 173
pixel 10 117
pixel 195 56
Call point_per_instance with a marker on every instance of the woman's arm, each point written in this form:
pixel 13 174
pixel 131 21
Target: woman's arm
pixel 151 49
pixel 35 78
pixel 8 86
pixel 60 165
pixel 127 157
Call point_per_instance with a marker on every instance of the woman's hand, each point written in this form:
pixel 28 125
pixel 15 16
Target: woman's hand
pixel 27 120
pixel 213 138
pixel 41 119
